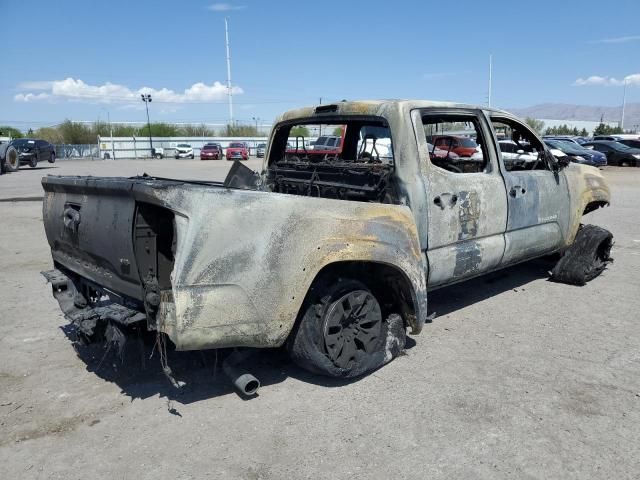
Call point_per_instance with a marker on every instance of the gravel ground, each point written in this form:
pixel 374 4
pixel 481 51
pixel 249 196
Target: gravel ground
pixel 517 377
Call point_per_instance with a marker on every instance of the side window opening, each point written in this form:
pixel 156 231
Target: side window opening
pixel 520 149
pixel 355 162
pixel 456 143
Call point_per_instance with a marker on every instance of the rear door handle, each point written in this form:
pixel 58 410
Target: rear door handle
pixel 517 191
pixel 446 199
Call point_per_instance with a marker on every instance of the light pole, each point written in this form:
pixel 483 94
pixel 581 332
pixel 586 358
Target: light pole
pixel 146 98
pixel 113 150
pixel 256 119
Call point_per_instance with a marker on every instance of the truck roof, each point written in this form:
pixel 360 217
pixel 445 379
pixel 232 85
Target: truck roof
pixel 372 107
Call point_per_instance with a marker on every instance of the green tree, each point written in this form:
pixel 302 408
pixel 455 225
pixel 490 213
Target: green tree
pixel 76 133
pixel 50 134
pixel 160 129
pixel 101 129
pixel 337 131
pixel 124 130
pixel 537 125
pixel 240 131
pixel 604 129
pixel 562 130
pixel 197 131
pixel 7 131
pixel 584 133
pixel 299 131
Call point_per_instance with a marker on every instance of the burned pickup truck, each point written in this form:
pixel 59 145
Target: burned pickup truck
pixel 331 255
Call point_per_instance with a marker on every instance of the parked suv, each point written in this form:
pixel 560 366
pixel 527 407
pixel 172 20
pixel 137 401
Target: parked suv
pixel 328 142
pixel 211 151
pixel 463 146
pixel 237 151
pixel 617 153
pixel 184 150
pixel 32 151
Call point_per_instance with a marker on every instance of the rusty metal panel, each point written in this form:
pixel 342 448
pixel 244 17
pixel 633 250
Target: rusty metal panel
pixel 586 185
pixel 243 268
pixel 465 228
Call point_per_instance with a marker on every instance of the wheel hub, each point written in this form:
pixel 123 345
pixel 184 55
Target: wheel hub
pixel 352 328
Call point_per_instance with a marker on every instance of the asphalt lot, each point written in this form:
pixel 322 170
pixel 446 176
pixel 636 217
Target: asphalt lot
pixel 517 377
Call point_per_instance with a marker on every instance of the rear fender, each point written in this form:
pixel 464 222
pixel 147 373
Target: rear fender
pixel 246 259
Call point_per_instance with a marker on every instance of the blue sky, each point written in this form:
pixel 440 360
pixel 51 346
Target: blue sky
pixel 79 59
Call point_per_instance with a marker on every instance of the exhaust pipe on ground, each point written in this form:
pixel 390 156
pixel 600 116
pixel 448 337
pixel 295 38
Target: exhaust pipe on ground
pixel 242 380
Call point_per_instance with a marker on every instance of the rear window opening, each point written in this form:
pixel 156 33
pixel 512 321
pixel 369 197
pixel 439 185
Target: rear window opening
pixel 347 159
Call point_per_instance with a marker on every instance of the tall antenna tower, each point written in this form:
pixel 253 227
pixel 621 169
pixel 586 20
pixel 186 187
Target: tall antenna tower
pixel 490 78
pixel 624 104
pixel 229 92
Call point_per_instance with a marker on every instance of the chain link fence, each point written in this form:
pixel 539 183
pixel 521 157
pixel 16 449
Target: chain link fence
pixel 77 151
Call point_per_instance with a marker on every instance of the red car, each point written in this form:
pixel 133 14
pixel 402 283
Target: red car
pixel 237 151
pixel 463 146
pixel 210 152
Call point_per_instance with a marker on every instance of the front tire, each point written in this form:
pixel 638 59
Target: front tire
pixel 342 332
pixel 52 158
pixel 33 162
pixel 586 258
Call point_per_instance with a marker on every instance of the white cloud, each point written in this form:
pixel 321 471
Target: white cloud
pixel 225 7
pixel 31 97
pixel 41 85
pixel 77 90
pixel 595 80
pixel 627 39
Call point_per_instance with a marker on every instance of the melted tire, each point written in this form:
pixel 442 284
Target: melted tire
pixel 307 343
pixel 586 258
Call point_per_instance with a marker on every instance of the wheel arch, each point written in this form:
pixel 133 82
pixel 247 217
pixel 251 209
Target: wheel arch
pixel 594 205
pixel 388 282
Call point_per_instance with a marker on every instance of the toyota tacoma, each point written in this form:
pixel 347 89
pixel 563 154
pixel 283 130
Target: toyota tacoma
pixel 330 255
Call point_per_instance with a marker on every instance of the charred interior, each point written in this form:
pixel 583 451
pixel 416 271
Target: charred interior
pixel 351 159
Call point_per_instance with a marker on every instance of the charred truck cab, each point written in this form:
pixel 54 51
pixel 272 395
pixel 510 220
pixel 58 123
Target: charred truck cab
pixel 330 252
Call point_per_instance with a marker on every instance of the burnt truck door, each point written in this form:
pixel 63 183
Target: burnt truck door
pixel 466 197
pixel 537 193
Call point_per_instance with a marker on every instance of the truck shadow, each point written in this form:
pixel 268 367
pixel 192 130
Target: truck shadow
pixel 138 372
pixel 33 169
pixel 449 299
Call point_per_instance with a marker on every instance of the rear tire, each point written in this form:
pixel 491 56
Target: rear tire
pixel 586 258
pixel 52 158
pixel 12 160
pixel 342 333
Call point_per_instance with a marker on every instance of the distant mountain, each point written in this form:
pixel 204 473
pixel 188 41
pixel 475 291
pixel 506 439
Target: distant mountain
pixel 563 111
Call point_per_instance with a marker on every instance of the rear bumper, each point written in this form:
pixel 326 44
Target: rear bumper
pixel 87 318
